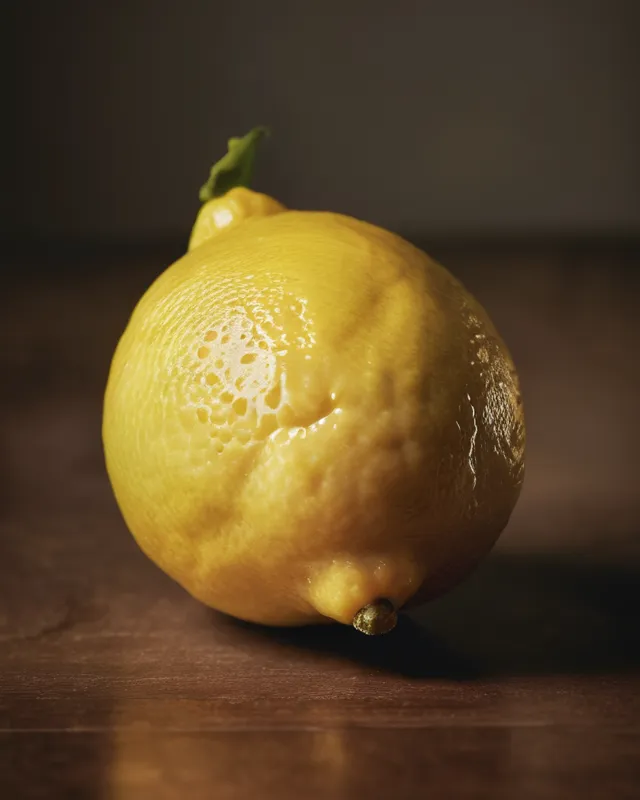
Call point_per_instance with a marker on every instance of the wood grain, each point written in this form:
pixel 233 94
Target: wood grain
pixel 523 683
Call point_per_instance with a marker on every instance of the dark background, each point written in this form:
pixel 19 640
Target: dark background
pixel 503 137
pixel 459 118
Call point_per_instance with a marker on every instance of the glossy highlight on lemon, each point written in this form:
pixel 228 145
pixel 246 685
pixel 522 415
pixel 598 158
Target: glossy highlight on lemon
pixel 306 415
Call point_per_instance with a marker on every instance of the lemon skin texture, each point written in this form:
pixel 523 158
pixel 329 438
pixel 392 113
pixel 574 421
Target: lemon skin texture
pixel 306 413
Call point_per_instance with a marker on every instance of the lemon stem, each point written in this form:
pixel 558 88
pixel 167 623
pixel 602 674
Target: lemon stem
pixel 376 618
pixel 235 168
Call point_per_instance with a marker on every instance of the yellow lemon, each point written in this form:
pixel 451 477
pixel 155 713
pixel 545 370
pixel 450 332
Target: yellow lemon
pixel 307 419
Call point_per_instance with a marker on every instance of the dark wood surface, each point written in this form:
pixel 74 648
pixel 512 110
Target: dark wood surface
pixel 523 683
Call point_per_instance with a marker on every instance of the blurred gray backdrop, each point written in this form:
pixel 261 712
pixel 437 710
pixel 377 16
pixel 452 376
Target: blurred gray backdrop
pixel 458 118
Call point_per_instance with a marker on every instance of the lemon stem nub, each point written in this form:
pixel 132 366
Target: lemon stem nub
pixel 376 618
pixel 235 168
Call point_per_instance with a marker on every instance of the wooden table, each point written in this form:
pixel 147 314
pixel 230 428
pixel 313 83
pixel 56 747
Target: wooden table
pixel 524 683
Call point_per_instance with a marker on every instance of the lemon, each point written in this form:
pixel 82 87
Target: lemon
pixel 308 419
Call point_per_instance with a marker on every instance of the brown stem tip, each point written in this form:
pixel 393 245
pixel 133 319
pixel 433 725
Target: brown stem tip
pixel 376 618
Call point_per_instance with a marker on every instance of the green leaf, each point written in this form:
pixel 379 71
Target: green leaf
pixel 235 168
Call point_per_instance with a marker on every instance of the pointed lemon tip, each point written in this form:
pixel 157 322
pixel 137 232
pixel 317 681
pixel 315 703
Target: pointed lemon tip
pixel 362 592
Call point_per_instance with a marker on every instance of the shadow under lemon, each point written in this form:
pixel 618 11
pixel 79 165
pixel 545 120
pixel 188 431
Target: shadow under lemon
pixel 516 615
